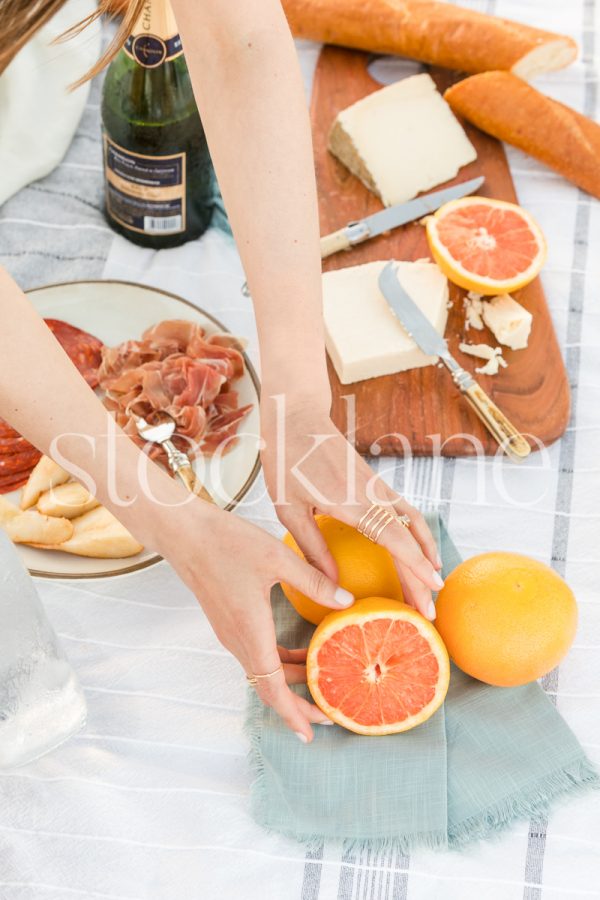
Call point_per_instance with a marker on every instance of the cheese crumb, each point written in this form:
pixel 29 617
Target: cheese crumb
pixel 493 355
pixel 509 322
pixel 473 311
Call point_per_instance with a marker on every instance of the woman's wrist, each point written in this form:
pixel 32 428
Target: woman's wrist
pixel 142 495
pixel 167 523
pixel 308 393
pixel 298 410
pixel 164 509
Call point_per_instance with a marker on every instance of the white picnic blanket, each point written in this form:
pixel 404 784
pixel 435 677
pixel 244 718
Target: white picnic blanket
pixel 150 802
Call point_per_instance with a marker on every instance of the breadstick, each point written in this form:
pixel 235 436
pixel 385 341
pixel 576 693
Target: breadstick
pixel 438 33
pixel 513 111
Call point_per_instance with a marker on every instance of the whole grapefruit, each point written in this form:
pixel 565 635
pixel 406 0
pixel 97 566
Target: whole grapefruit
pixel 365 569
pixel 506 619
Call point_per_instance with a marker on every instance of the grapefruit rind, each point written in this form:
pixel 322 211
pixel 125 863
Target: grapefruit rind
pixel 364 611
pixel 506 619
pixel 470 281
pixel 377 574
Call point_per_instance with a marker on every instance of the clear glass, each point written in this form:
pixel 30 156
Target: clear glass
pixel 41 702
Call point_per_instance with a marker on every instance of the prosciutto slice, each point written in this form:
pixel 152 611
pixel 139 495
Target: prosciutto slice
pixel 177 368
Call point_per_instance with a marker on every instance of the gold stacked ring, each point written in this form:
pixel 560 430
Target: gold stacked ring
pixel 253 678
pixel 375 521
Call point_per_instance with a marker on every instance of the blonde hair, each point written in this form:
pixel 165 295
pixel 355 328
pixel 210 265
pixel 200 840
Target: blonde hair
pixel 21 19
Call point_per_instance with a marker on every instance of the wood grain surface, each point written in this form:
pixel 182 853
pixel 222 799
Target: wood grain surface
pixel 422 409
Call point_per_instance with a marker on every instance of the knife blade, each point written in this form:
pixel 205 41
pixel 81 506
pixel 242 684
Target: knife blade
pixel 372 226
pixel 432 343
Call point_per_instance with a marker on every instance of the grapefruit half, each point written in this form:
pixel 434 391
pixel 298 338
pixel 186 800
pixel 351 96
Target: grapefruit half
pixel 377 667
pixel 484 245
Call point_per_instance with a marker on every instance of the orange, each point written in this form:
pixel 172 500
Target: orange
pixel 506 619
pixel 484 245
pixel 365 569
pixel 377 667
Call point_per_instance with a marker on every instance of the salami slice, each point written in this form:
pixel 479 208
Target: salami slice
pixel 7 432
pixel 13 484
pixel 8 446
pixel 83 349
pixel 18 462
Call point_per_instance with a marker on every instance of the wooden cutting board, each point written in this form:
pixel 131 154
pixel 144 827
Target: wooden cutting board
pixel 422 406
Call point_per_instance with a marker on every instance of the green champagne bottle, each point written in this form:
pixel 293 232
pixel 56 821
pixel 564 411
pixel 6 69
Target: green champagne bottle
pixel 159 180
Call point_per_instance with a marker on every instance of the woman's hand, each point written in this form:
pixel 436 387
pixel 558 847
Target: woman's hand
pixel 309 466
pixel 232 580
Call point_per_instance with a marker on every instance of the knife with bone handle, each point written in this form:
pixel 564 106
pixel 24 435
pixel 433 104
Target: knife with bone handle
pixel 432 343
pixel 380 222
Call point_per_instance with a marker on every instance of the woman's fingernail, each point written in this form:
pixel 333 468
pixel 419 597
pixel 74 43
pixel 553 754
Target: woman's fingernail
pixel 325 722
pixel 301 737
pixel 431 611
pixel 438 561
pixel 438 580
pixel 343 598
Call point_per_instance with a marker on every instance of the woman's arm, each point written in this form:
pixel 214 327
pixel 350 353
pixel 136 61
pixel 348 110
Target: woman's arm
pixel 44 397
pixel 248 87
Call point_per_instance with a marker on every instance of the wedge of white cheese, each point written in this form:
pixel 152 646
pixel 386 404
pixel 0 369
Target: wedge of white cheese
pixel 401 140
pixel 363 336
pixel 509 322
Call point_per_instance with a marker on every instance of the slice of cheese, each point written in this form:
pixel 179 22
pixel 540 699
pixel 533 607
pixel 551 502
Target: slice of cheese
pixel 363 336
pixel 401 140
pixel 509 322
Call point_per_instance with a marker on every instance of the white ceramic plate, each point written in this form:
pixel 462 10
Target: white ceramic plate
pixel 115 311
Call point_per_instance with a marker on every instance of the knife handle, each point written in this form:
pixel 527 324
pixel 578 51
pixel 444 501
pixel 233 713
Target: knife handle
pixel 193 484
pixel 333 243
pixel 181 466
pixel 511 441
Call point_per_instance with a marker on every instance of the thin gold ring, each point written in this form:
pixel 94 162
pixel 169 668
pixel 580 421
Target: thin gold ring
pixel 253 678
pixel 376 519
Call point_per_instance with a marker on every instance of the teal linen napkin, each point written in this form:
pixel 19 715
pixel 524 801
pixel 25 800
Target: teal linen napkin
pixel 487 757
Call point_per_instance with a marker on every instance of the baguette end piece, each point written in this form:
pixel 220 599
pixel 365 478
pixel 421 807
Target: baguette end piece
pixel 547 57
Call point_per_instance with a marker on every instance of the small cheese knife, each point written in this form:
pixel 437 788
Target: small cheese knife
pixel 432 343
pixel 371 226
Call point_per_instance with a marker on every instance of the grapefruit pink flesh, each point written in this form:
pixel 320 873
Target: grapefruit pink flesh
pixel 484 245
pixel 489 241
pixel 380 673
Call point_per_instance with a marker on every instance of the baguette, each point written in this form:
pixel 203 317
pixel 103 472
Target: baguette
pixel 511 110
pixel 438 33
